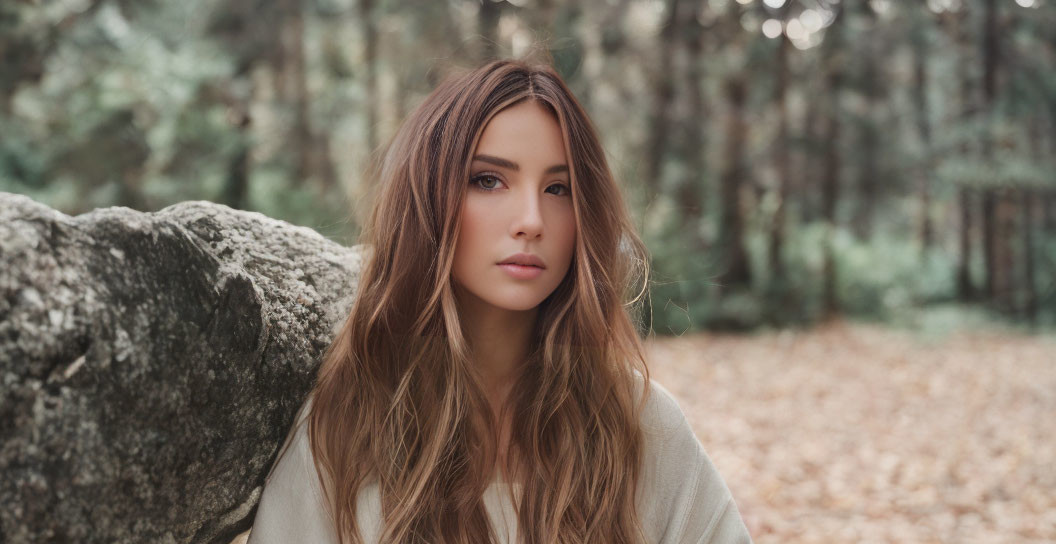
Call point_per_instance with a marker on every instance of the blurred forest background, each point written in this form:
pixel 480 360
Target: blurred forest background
pixel 787 161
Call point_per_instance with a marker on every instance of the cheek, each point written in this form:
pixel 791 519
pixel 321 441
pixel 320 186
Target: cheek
pixel 474 213
pixel 568 235
pixel 473 224
pixel 564 252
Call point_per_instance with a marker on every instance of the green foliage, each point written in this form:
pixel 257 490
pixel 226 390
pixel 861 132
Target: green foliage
pixel 274 194
pixel 149 103
pixel 680 282
pixel 1006 170
pixel 22 164
pixel 875 280
pixel 888 274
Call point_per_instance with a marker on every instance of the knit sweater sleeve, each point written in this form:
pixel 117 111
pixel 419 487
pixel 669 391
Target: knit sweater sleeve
pixel 686 499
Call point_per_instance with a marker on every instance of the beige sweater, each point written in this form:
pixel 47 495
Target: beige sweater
pixel 682 499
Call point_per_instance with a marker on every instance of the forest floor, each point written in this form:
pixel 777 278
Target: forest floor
pixel 860 433
pixel 856 433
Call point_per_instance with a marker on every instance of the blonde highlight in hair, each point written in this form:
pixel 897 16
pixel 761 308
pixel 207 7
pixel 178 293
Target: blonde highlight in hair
pixel 398 401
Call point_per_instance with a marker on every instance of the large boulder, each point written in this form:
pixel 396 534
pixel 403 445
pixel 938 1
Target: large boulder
pixel 152 363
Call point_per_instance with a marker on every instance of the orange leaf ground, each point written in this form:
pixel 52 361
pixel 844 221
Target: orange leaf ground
pixel 854 433
pixel 858 433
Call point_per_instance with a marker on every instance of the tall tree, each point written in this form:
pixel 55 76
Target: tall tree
pixel 245 27
pixel 694 175
pixel 871 88
pixel 735 271
pixel 998 200
pixel 957 24
pixel 368 28
pixel 781 152
pixel 488 28
pixel 810 139
pixel 663 92
pixel 310 148
pixel 919 42
pixel 833 55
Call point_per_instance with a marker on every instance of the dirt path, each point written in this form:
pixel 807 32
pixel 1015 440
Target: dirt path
pixel 855 433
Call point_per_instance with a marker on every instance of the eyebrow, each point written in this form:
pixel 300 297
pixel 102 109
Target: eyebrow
pixel 515 167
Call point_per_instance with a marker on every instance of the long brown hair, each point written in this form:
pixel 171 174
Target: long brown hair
pixel 398 401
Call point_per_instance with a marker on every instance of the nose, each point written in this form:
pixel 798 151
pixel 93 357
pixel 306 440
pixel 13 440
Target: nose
pixel 528 217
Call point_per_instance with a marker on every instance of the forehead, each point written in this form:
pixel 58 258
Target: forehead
pixel 527 131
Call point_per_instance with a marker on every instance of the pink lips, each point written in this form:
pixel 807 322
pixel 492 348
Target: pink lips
pixel 523 266
pixel 526 259
pixel 521 272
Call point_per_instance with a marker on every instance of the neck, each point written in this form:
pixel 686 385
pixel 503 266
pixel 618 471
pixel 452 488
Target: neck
pixel 499 341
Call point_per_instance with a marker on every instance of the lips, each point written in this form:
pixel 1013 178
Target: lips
pixel 524 259
pixel 521 272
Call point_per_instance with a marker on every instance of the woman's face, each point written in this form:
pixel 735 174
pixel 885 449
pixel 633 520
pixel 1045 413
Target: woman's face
pixel 518 200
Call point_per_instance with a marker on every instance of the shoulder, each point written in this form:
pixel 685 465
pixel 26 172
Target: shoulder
pixel 682 497
pixel 662 416
pixel 667 435
pixel 291 505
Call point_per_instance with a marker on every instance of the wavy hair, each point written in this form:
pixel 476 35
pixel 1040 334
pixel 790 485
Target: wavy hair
pixel 398 401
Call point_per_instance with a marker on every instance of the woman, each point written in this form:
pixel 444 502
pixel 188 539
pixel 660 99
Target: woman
pixel 489 384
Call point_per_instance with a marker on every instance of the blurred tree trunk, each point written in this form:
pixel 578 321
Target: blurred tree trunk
pixel 370 72
pixel 809 166
pixel 236 187
pixel 1048 208
pixel 245 27
pixel 989 54
pixel 959 29
pixel 1032 198
pixel 1003 254
pixel 830 186
pixel 781 160
pixel 1030 304
pixel 569 51
pixel 613 39
pixel 735 270
pixel 613 45
pixel 434 24
pixel 1048 211
pixel 292 78
pixel 544 14
pixel 488 28
pixel 999 206
pixel 691 188
pixel 871 89
pixel 663 93
pixel 129 191
pixel 965 287
pixel 238 98
pixel 125 146
pixel 830 182
pixel 311 150
pixel 920 100
pixel 322 162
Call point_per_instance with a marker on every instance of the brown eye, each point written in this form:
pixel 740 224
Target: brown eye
pixel 567 190
pixel 479 181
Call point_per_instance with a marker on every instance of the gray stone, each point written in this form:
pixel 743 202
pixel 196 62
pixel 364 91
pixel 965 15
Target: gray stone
pixel 152 363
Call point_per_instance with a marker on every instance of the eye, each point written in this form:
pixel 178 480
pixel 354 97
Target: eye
pixel 488 182
pixel 480 179
pixel 566 188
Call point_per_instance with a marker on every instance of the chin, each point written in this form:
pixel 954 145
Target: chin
pixel 516 304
